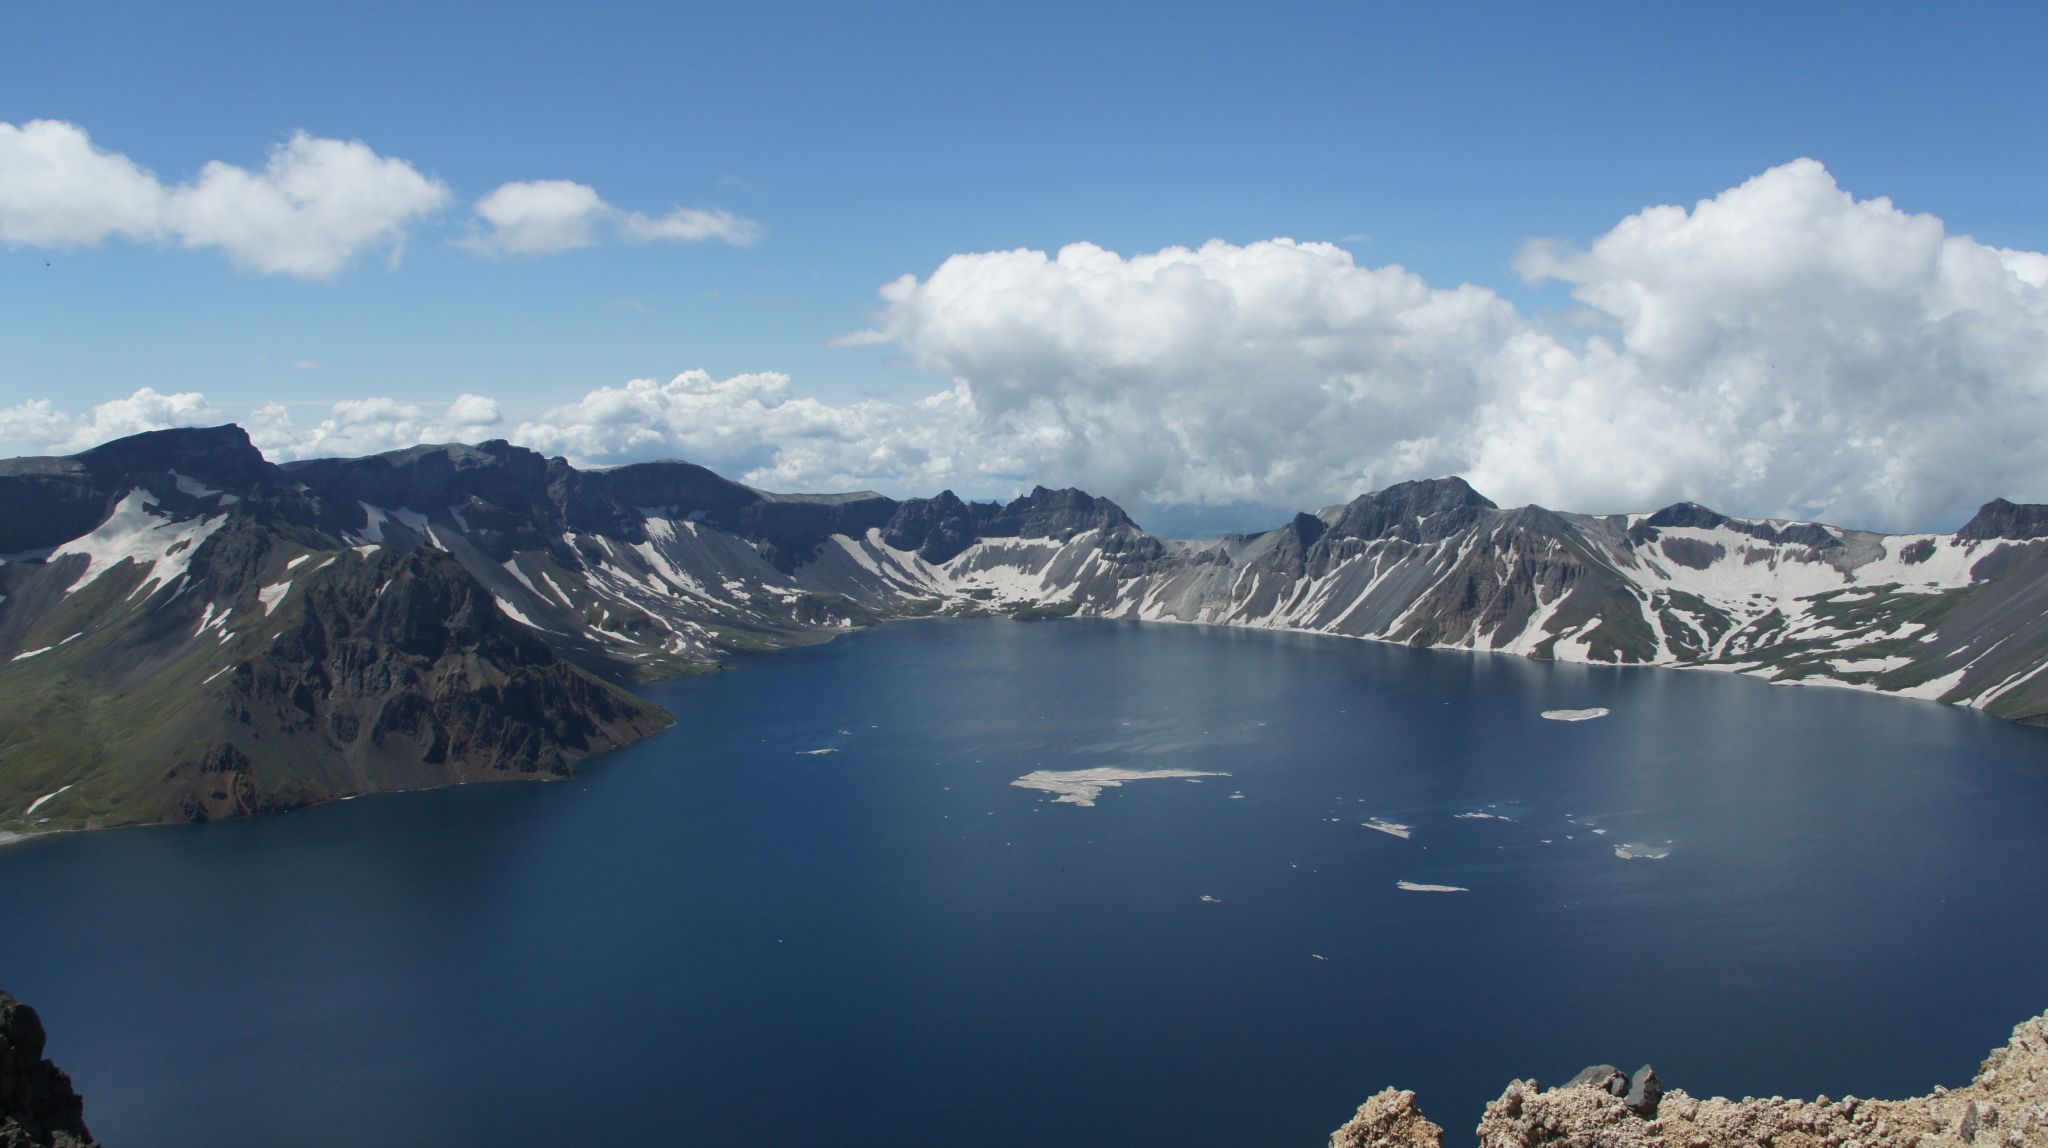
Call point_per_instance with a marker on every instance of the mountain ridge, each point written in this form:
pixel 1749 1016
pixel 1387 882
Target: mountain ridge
pixel 258 636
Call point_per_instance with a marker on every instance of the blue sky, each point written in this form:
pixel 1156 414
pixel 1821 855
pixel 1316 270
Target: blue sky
pixel 872 143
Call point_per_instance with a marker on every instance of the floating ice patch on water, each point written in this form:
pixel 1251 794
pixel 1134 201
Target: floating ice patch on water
pixel 38 802
pixel 816 752
pixel 1390 828
pixel 1083 786
pixel 1419 887
pixel 1631 852
pixel 1237 795
pixel 1482 815
pixel 1576 715
pixel 1208 900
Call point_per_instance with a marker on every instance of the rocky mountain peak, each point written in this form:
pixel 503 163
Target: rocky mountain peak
pixel 2001 519
pixel 1046 513
pixel 1425 510
pixel 219 456
pixel 428 478
pixel 1693 516
pixel 1687 515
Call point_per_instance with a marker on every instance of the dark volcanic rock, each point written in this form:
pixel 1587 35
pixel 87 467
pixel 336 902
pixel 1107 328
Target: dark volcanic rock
pixel 219 456
pixel 1415 511
pixel 2001 519
pixel 1644 1091
pixel 1604 1077
pixel 940 528
pixel 38 1109
pixel 400 672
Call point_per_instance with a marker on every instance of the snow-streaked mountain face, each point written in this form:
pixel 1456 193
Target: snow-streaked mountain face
pixel 179 566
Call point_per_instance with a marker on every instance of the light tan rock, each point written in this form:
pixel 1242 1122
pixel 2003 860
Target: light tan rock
pixel 1388 1120
pixel 2006 1106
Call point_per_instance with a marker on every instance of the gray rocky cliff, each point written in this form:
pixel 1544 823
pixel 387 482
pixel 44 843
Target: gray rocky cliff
pixel 38 1108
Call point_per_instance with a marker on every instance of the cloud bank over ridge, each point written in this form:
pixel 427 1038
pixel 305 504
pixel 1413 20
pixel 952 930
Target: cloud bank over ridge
pixel 1781 348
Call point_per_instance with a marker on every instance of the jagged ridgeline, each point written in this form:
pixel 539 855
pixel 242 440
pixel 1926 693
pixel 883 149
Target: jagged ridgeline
pixel 189 631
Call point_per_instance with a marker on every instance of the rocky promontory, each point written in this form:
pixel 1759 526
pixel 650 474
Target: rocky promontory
pixel 2005 1106
pixel 38 1109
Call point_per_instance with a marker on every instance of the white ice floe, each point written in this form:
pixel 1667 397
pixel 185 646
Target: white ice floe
pixel 1577 715
pixel 816 752
pixel 1083 786
pixel 1208 900
pixel 1390 828
pixel 1419 887
pixel 1630 852
pixel 1482 815
pixel 38 802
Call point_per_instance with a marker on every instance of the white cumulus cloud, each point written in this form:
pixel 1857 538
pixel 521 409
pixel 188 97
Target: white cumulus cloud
pixel 371 425
pixel 690 225
pixel 753 426
pixel 38 427
pixel 314 207
pixel 539 217
pixel 545 216
pixel 1787 348
pixel 58 190
pixel 1782 348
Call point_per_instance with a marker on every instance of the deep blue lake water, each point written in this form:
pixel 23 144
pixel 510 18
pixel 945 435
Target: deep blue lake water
pixel 718 938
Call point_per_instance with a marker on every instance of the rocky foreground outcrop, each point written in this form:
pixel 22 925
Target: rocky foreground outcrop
pixel 38 1109
pixel 2006 1106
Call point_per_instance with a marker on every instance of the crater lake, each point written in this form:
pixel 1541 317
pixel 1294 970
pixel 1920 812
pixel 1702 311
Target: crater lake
pixel 818 907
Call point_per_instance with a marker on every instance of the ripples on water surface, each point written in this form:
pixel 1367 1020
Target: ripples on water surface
pixel 723 937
